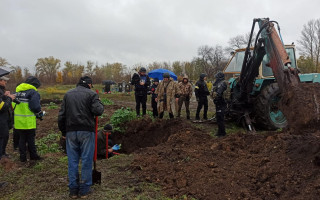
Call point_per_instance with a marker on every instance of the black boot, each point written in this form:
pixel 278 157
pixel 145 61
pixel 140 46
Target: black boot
pixel 161 115
pixel 171 116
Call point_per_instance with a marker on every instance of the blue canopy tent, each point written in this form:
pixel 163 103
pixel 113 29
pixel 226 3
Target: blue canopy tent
pixel 158 73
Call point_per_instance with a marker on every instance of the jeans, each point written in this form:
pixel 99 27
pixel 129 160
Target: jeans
pixel 27 136
pixel 141 98
pixel 80 145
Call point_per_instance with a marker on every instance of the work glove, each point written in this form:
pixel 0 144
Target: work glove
pixel 198 99
pixel 187 98
pixel 39 115
pixel 116 147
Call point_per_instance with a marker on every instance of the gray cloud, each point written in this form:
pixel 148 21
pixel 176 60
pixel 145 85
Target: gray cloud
pixel 135 31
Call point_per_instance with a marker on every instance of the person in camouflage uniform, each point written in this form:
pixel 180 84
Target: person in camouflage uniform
pixel 185 95
pixel 166 91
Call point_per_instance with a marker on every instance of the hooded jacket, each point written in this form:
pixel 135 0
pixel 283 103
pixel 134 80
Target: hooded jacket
pixel 201 89
pixel 185 88
pixel 24 113
pixel 219 87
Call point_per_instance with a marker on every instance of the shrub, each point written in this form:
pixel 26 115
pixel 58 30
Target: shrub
pixel 120 117
pixel 106 101
pixel 48 144
pixel 52 105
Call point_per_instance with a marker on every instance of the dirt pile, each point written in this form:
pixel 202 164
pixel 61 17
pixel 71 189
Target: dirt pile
pixel 145 133
pixel 301 106
pixel 240 166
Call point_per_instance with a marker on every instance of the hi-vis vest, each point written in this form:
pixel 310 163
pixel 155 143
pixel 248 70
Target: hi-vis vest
pixel 24 118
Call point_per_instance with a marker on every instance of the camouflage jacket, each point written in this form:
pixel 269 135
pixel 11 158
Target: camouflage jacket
pixel 185 89
pixel 167 91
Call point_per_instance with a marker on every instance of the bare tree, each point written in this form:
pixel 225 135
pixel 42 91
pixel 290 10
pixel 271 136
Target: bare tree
pixel 211 58
pixel 3 62
pixel 240 41
pixel 310 41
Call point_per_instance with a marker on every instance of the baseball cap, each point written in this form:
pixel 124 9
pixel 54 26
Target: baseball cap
pixel 4 78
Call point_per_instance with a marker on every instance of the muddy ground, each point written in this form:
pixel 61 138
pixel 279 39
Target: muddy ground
pixel 176 159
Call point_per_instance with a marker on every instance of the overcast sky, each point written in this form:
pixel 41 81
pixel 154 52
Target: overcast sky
pixel 135 31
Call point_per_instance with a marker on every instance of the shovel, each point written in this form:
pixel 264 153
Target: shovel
pixel 96 175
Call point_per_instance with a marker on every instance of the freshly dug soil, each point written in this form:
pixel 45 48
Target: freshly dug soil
pixel 145 133
pixel 239 166
pixel 301 106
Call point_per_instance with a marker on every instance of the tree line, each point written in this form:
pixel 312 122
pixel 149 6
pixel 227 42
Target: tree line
pixel 209 60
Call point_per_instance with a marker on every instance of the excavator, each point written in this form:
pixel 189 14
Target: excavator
pixel 260 76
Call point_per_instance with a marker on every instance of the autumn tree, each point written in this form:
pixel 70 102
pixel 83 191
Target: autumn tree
pixel 306 64
pixel 16 74
pixel 46 69
pixel 59 78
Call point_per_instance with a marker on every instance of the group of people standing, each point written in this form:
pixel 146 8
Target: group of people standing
pixel 167 91
pixel 20 111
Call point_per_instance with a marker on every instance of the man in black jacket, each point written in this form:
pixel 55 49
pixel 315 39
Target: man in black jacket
pixel 6 121
pixel 141 81
pixel 201 92
pixel 219 87
pixel 77 122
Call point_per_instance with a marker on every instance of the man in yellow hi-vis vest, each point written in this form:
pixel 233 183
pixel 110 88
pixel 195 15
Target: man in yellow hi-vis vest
pixel 25 114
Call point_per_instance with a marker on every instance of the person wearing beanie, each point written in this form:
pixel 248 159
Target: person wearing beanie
pixel 154 96
pixel 166 92
pixel 76 122
pixel 102 142
pixel 25 114
pixel 201 91
pixel 141 82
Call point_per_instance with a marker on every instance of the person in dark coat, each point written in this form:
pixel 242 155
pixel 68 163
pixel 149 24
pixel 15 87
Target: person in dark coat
pixel 6 120
pixel 154 96
pixel 76 122
pixel 201 92
pixel 102 142
pixel 141 81
pixel 219 87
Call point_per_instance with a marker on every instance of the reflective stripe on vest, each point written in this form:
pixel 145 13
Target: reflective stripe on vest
pixel 24 118
pixel 1 104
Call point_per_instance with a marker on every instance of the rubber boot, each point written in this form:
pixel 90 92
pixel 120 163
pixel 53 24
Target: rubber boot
pixel 171 116
pixel 161 115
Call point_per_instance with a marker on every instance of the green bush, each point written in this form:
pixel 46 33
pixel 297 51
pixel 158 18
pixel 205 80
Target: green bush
pixel 48 144
pixel 52 105
pixel 107 102
pixel 120 117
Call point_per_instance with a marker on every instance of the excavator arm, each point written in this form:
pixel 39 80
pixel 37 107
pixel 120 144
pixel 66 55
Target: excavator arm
pixel 268 42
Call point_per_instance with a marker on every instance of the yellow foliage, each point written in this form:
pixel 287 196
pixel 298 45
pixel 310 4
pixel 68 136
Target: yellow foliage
pixel 59 78
pixel 209 85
